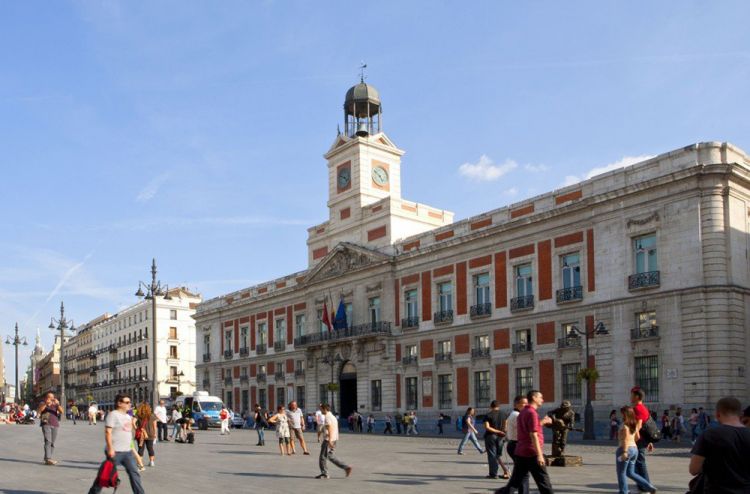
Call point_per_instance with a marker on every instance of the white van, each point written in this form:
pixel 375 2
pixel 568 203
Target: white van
pixel 205 408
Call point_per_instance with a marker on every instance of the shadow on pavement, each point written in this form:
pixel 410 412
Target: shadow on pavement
pixel 272 475
pixel 59 465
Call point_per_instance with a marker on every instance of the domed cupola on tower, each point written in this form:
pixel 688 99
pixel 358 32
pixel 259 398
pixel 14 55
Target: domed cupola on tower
pixel 362 110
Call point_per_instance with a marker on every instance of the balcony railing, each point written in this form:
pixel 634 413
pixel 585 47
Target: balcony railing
pixel 443 316
pixel 477 353
pixel 261 377
pixel 299 372
pixel 244 379
pixel 279 375
pixel 244 351
pixel 443 357
pixel 522 347
pixel 228 381
pixel 569 342
pixel 409 360
pixel 261 349
pixel 522 303
pixel 410 322
pixel 572 294
pixel 480 310
pixel 357 331
pixel 228 354
pixel 206 357
pixel 643 280
pixel 644 333
pixel 279 346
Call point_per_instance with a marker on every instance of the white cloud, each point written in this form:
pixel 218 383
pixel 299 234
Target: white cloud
pixel 485 170
pixel 535 168
pixel 151 188
pixel 625 161
pixel 513 191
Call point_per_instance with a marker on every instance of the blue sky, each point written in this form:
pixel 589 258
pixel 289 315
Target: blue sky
pixel 193 132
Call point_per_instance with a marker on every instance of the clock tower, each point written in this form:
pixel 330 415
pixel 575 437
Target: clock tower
pixel 364 184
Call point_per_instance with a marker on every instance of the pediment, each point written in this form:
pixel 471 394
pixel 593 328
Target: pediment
pixel 344 258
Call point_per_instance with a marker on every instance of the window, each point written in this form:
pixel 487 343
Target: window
pixel 229 399
pixel 262 369
pixel 646 321
pixel 349 314
pixel 411 393
pixel 411 350
pixel 280 330
pixel 299 325
pixel 243 371
pixel 444 347
pixel 524 380
pixel 482 388
pixel 245 401
pixel 172 372
pixel 445 296
pixel 571 388
pixel 172 351
pixel 172 333
pixel 228 340
pixel 647 376
pixel 571 270
pixel 173 314
pixel 280 397
pixel 376 390
pixel 523 339
pixel 645 254
pixel 323 397
pixel 301 396
pixel 482 342
pixel 482 288
pixel 524 281
pixel 244 331
pixel 262 401
pixel 262 333
pixel 207 344
pixel 412 307
pixel 374 307
pixel 445 391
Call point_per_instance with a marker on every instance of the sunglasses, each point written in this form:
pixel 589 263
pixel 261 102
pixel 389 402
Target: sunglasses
pixel 126 402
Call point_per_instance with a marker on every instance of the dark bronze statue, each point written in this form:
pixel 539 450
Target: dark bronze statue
pixel 563 420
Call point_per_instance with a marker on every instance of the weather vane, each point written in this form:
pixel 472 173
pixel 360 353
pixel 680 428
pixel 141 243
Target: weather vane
pixel 362 68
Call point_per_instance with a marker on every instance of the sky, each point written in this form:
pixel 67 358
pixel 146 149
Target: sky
pixel 194 132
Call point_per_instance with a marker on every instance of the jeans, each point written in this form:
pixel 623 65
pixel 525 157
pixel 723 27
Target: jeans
pixel 640 463
pixel 493 444
pixel 261 436
pixel 470 436
pixel 626 469
pixel 50 435
pixel 162 430
pixel 522 467
pixel 127 460
pixel 524 489
pixel 326 455
pixel 175 429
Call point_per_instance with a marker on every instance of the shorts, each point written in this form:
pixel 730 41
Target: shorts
pixel 320 427
pixel 297 433
pixel 283 440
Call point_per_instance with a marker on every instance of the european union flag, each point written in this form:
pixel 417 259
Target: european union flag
pixel 340 321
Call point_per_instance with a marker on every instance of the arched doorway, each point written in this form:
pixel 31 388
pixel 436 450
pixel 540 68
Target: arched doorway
pixel 348 389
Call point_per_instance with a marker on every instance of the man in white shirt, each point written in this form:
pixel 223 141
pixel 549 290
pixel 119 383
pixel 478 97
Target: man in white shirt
pixel 319 421
pixel 297 424
pixel 92 413
pixel 511 434
pixel 161 420
pixel 118 434
pixel 331 436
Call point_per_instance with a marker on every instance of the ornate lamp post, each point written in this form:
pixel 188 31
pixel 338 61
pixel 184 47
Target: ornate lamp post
pixel 588 414
pixel 153 290
pixel 16 341
pixel 180 375
pixel 62 326
pixel 332 361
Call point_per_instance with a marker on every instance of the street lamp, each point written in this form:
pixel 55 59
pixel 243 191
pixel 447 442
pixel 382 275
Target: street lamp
pixel 330 360
pixel 16 341
pixel 153 290
pixel 588 414
pixel 62 325
pixel 179 376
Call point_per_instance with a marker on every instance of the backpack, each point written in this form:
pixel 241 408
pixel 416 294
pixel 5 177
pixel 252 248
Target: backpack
pixel 107 475
pixel 650 432
pixel 190 438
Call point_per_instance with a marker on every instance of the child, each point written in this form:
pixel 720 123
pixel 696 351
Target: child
pixel 282 430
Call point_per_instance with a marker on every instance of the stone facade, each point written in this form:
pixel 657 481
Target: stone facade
pixel 651 261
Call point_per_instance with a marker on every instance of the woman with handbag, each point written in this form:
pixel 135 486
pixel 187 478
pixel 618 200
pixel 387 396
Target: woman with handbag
pixel 145 431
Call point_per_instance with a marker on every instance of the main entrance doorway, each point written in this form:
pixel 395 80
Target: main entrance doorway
pixel 348 389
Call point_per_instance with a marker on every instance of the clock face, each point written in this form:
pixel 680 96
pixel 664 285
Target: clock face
pixel 344 178
pixel 379 175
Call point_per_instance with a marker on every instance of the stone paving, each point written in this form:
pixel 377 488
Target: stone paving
pixel 233 464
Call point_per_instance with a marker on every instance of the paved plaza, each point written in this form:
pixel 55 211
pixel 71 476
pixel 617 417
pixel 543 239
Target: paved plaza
pixel 233 464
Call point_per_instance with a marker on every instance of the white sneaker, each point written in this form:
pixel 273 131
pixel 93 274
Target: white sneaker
pixel 151 463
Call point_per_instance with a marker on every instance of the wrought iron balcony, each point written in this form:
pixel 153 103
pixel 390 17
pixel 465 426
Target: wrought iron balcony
pixel 380 328
pixel 244 351
pixel 279 375
pixel 261 349
pixel 228 381
pixel 522 347
pixel 261 377
pixel 228 354
pixel 644 333
pixel 299 372
pixel 480 310
pixel 244 379
pixel 206 357
pixel 571 341
pixel 443 316
pixel 572 294
pixel 410 322
pixel 409 360
pixel 443 357
pixel 649 279
pixel 522 303
pixel 279 346
pixel 477 353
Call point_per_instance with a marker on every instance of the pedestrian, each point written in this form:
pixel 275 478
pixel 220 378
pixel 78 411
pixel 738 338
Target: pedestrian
pixel 261 422
pixel 146 423
pixel 529 453
pixel 93 411
pixel 411 424
pixel 613 425
pixel 666 425
pixel 176 421
pixel 327 449
pixel 160 412
pixel 469 431
pixel 511 434
pixel 415 422
pixel 494 435
pixel 49 412
pixel 280 420
pixel 224 417
pixel 627 453
pixel 642 441
pixel 399 422
pixel 319 421
pixel 74 413
pixel 678 425
pixel 722 453
pixel 370 424
pixel 359 422
pixel 704 420
pixel 440 420
pixel 693 422
pixel 388 425
pixel 297 424
pixel 118 435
